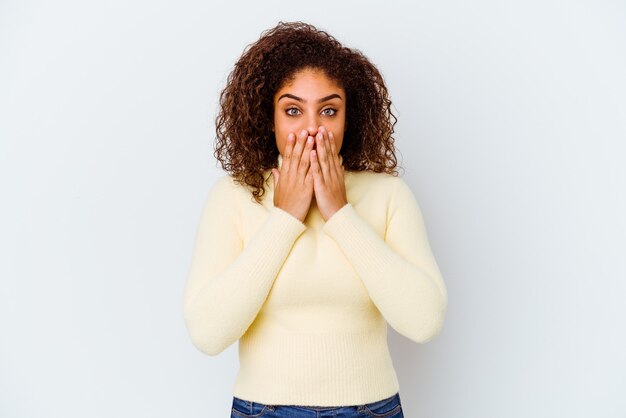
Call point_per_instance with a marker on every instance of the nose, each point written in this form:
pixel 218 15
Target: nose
pixel 313 124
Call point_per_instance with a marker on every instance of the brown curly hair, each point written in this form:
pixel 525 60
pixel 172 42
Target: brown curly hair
pixel 245 144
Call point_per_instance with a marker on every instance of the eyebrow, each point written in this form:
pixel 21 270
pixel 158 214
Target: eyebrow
pixel 300 99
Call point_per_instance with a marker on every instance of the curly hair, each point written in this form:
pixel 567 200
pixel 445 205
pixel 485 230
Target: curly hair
pixel 245 143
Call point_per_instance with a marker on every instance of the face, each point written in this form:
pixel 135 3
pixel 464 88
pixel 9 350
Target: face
pixel 307 102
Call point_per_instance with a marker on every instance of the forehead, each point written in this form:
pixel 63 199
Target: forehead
pixel 310 80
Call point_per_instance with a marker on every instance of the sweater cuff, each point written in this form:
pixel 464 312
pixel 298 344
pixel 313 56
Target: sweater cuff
pixel 346 211
pixel 358 240
pixel 285 224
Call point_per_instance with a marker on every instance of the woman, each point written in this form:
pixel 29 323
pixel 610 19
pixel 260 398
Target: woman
pixel 305 270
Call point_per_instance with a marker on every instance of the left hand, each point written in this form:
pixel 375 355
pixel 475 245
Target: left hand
pixel 328 181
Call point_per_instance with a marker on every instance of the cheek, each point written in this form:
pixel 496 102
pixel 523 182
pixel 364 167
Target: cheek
pixel 283 126
pixel 281 132
pixel 337 126
pixel 338 142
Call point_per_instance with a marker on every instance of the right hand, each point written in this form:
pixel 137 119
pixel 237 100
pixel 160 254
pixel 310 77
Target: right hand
pixel 293 183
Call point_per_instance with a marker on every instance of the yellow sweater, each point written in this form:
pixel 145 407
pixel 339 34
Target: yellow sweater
pixel 309 302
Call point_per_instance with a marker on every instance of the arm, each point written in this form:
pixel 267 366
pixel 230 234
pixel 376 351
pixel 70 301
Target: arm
pixel 228 284
pixel 399 271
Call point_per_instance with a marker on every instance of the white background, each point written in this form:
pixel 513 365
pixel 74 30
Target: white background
pixel 511 133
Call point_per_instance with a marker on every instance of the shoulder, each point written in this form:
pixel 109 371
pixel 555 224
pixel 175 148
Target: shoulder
pixel 223 183
pixel 391 189
pixel 384 183
pixel 224 191
pixel 228 186
pixel 222 187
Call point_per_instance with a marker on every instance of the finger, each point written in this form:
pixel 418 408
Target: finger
pixel 322 156
pixel 330 154
pixel 305 161
pixel 297 151
pixel 333 146
pixel 291 139
pixel 308 180
pixel 335 151
pixel 315 169
pixel 275 176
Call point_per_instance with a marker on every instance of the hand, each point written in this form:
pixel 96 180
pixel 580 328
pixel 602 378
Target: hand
pixel 328 180
pixel 293 184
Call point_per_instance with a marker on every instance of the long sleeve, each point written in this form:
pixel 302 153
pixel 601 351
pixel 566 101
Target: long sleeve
pixel 399 271
pixel 227 284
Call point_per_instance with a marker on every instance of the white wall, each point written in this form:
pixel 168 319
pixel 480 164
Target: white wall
pixel 511 131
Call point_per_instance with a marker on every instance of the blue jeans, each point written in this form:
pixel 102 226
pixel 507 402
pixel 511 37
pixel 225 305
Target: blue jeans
pixel 386 408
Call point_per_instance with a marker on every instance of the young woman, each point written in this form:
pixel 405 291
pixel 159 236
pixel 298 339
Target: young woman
pixel 306 269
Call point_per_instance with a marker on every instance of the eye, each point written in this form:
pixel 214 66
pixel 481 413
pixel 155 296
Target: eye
pixel 329 111
pixel 290 113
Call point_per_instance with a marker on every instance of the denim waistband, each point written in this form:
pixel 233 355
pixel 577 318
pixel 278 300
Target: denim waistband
pixel 372 405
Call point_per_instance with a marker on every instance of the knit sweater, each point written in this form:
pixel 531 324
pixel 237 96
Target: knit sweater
pixel 309 302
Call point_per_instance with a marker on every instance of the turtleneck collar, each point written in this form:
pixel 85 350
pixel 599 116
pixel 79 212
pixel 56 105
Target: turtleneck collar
pixel 280 160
